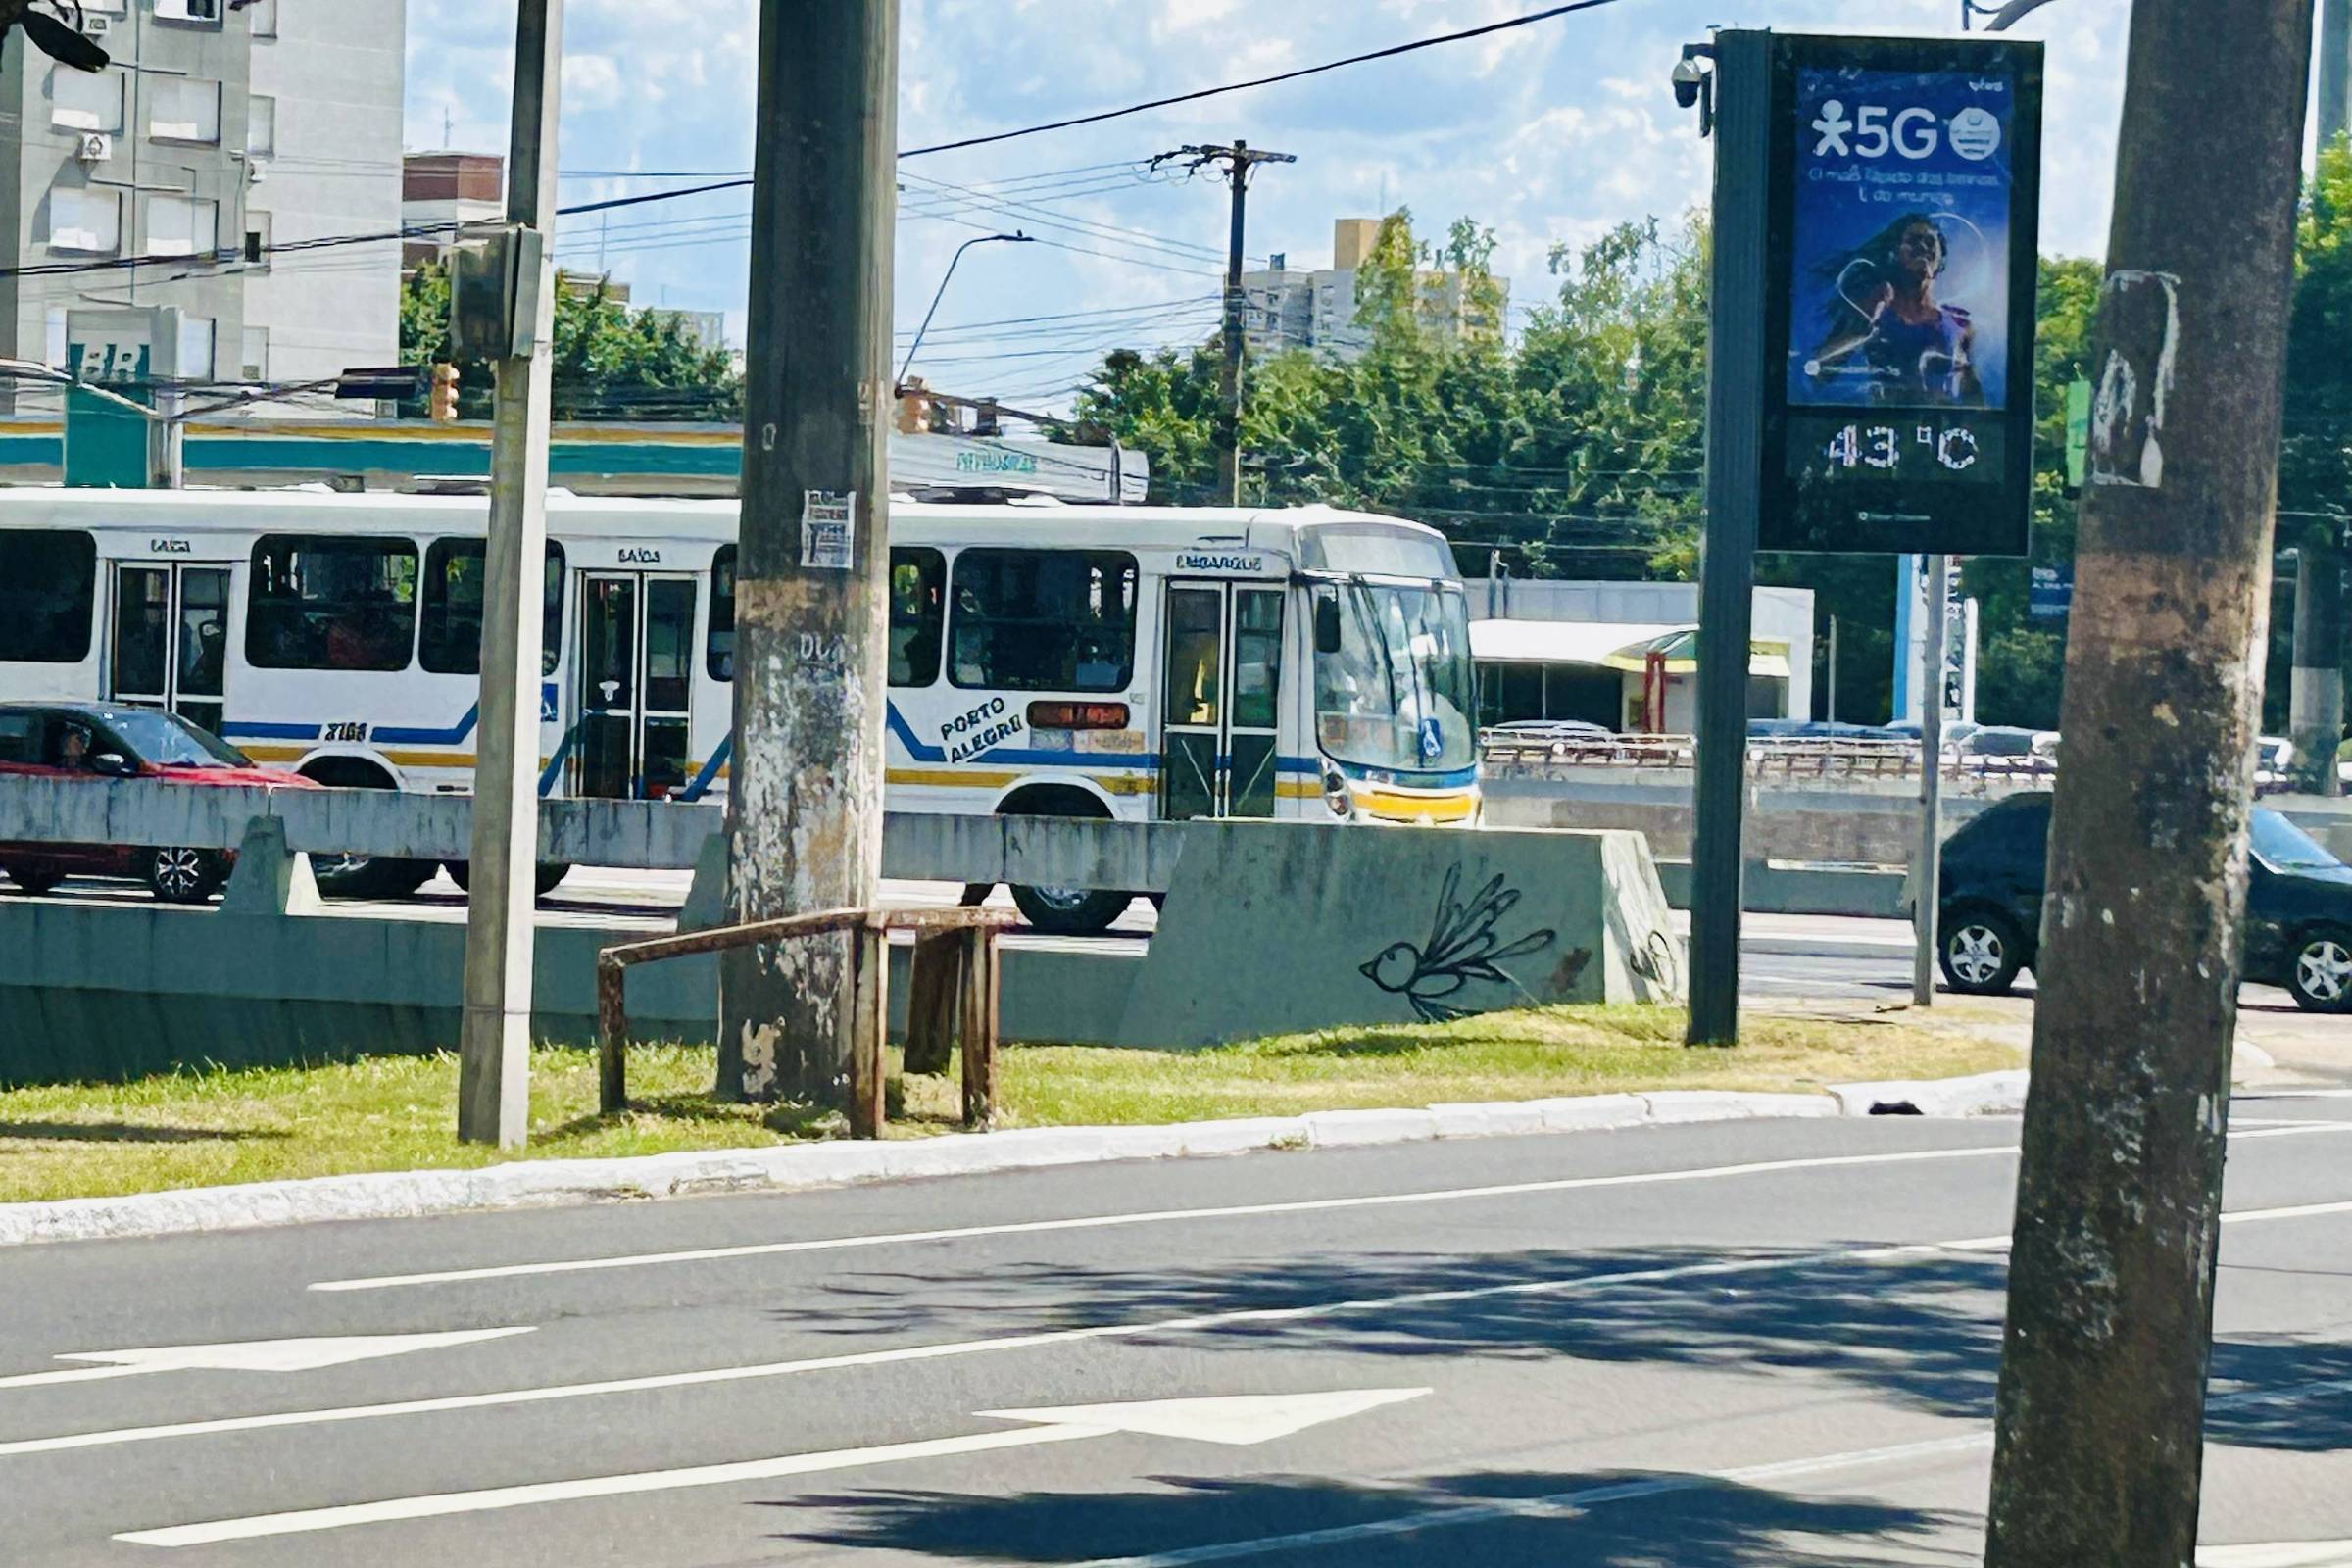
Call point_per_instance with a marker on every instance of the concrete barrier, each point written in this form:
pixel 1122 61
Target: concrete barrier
pixel 1269 927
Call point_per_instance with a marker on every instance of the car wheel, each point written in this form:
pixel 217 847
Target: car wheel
pixel 2320 976
pixel 1979 952
pixel 1071 911
pixel 177 874
pixel 34 883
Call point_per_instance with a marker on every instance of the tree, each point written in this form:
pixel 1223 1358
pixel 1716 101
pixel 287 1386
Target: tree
pixel 612 361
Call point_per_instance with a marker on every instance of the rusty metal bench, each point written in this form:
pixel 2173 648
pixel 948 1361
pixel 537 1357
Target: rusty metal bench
pixel 953 991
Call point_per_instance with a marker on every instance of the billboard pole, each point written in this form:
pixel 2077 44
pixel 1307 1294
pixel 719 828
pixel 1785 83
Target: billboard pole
pixel 1935 650
pixel 1727 547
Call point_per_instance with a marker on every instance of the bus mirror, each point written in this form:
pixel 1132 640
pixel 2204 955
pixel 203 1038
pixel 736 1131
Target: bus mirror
pixel 1327 624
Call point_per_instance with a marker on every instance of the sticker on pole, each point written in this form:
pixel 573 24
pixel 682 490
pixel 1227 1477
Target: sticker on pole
pixel 828 530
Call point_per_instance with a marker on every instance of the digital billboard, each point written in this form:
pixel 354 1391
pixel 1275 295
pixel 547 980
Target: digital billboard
pixel 1899 393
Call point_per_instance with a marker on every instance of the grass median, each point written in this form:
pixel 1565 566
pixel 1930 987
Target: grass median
pixel 205 1128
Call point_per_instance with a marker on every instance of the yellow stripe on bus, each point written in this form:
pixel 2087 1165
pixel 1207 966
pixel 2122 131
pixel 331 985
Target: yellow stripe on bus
pixel 1415 808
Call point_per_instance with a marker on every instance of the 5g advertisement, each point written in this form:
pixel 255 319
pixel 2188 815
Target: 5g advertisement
pixel 1904 212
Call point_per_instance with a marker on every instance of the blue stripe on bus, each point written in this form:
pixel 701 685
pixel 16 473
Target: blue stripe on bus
pixel 702 780
pixel 390 735
pixel 269 732
pixel 1460 779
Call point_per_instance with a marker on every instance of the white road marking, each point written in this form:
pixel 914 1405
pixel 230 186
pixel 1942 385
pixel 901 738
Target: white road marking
pixel 954 1349
pixel 2281 1554
pixel 1240 1420
pixel 251 1355
pixel 1165 1217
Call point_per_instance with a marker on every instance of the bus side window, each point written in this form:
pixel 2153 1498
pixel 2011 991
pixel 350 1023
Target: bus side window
pixel 450 639
pixel 48 595
pixel 718 648
pixel 919 610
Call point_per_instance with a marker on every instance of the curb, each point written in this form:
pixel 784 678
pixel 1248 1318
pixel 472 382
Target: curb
pixel 800 1167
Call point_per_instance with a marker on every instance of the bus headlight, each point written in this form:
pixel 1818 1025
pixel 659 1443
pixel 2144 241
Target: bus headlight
pixel 1336 796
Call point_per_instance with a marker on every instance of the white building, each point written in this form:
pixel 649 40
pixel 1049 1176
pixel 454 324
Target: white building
pixel 215 129
pixel 1623 655
pixel 1315 308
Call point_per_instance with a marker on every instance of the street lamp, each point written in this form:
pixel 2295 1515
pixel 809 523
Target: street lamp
pixel 1016 237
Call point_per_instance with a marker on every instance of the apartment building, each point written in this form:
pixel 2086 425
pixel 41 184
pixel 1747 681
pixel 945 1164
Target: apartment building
pixel 1314 308
pixel 222 126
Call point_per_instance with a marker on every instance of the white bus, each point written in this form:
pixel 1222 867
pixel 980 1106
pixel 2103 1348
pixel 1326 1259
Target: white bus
pixel 1045 658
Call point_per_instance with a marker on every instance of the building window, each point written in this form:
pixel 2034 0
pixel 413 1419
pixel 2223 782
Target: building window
pixel 48 586
pixel 258 229
pixel 82 100
pixel 183 108
pixel 265 18
pixel 327 603
pixel 451 641
pixel 1044 620
pixel 260 125
pixel 196 333
pixel 182 225
pixel 199 10
pixel 253 354
pixel 84 219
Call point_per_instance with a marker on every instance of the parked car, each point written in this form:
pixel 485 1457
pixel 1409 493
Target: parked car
pixel 98 742
pixel 2298 906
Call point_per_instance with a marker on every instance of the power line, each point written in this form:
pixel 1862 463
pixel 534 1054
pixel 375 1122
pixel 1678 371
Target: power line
pixel 1389 53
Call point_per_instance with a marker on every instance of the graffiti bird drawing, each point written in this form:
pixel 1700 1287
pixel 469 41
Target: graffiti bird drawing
pixel 1463 947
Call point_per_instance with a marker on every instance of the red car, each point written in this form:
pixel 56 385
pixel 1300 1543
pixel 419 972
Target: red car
pixel 102 741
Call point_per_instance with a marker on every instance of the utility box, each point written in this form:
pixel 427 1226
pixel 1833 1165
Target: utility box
pixel 496 279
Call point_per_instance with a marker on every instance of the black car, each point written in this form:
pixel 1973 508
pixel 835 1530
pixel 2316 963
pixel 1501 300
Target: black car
pixel 2298 906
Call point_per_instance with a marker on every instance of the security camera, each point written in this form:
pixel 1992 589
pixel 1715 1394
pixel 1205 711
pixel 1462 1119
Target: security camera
pixel 1689 80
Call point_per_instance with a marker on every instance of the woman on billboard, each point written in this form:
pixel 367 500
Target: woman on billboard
pixel 1884 327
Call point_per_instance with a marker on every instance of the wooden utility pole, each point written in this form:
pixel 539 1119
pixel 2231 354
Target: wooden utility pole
pixel 2316 700
pixel 812 569
pixel 494 1060
pixel 1238 161
pixel 2103 1366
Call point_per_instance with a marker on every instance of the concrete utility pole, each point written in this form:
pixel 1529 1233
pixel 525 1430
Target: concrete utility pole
pixel 812 570
pixel 2315 697
pixel 2103 1365
pixel 494 1050
pixel 1238 160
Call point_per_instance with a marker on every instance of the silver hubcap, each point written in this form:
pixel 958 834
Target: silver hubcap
pixel 2325 969
pixel 1977 953
pixel 178 871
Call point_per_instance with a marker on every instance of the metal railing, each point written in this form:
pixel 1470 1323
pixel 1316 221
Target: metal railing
pixel 952 993
pixel 1793 757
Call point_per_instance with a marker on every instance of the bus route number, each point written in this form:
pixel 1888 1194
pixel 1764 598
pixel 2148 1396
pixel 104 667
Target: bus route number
pixel 346 730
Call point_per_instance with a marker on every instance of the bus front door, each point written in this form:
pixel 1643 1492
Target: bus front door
pixel 1221 678
pixel 634 685
pixel 169 642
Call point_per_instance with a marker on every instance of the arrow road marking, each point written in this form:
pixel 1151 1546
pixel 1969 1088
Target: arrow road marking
pixel 1238 1420
pixel 250 1355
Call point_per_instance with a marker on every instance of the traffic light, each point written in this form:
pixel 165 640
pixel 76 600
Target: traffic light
pixel 445 394
pixel 914 407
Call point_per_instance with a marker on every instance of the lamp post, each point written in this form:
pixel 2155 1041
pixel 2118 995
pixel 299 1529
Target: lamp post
pixel 1016 237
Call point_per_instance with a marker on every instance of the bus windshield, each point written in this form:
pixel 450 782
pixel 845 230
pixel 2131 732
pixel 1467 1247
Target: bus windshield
pixel 1395 693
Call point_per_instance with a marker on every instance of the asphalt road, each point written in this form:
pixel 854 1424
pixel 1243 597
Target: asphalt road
pixel 1699 1347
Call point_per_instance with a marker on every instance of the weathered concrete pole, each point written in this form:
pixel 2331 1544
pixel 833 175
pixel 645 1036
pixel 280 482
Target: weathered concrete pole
pixel 2103 1365
pixel 813 573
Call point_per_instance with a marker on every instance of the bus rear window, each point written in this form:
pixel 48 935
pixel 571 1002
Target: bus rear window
pixel 1043 621
pixel 451 641
pixel 328 603
pixel 48 588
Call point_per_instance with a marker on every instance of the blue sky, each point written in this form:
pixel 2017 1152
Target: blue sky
pixel 1548 133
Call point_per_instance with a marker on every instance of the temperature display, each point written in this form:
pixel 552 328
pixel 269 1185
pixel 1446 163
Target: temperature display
pixel 1882 447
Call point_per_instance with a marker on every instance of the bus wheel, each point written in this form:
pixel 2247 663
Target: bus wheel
pixel 362 876
pixel 1071 911
pixel 549 874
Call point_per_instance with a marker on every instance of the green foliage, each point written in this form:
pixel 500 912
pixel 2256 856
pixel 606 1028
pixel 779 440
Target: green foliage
pixel 612 361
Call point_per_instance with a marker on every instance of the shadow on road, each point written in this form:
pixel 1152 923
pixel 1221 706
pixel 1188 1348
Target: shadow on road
pixel 1922 1329
pixel 127 1132
pixel 1669 1521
